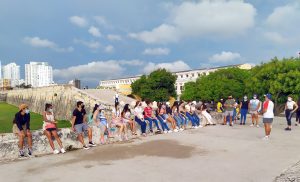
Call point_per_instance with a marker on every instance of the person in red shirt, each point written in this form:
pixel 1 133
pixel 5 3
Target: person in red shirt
pixel 149 116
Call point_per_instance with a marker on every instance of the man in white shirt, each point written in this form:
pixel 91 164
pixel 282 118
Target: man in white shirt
pixel 268 115
pixel 290 107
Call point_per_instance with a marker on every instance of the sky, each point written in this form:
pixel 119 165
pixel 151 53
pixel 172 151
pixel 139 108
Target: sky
pixel 94 40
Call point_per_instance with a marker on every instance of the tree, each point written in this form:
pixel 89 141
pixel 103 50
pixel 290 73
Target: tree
pixel 159 86
pixel 278 77
pixel 217 85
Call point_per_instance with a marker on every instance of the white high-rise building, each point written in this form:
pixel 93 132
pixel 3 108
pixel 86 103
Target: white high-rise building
pixel 11 71
pixel 38 74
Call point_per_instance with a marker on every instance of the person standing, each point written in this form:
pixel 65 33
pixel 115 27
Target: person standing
pixel 254 106
pixel 298 113
pixel 22 128
pixel 79 125
pixel 268 115
pixel 290 107
pixel 244 106
pixel 229 107
pixel 51 129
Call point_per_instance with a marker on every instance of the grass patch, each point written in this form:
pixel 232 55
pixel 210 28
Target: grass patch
pixel 7 115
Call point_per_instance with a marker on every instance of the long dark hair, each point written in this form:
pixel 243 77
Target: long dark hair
pixel 94 110
pixel 176 104
pixel 47 106
pixel 137 103
pixel 125 109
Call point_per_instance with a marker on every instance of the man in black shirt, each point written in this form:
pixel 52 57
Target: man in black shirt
pixel 22 128
pixel 79 125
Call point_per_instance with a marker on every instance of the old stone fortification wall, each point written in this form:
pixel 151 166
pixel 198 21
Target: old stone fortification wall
pixel 9 142
pixel 63 98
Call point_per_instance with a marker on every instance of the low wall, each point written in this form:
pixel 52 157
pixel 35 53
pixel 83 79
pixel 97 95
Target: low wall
pixel 9 142
pixel 63 98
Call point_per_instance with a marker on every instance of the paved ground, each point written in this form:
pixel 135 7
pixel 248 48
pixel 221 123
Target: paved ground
pixel 217 153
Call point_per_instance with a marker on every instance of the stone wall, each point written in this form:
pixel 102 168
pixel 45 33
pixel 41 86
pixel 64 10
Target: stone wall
pixel 63 98
pixel 9 142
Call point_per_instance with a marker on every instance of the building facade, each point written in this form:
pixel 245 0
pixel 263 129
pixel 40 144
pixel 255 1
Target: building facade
pixel 182 78
pixel 38 74
pixel 76 83
pixel 12 71
pixel 5 84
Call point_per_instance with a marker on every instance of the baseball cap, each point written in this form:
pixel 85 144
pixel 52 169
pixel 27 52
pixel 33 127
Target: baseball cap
pixel 268 95
pixel 23 106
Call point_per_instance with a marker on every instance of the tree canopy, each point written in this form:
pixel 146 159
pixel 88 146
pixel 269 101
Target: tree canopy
pixel 158 86
pixel 278 77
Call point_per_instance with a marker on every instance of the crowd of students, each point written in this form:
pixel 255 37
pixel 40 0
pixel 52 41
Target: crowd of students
pixel 167 118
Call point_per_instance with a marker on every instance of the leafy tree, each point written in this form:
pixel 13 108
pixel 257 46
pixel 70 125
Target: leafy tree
pixel 278 77
pixel 159 86
pixel 217 85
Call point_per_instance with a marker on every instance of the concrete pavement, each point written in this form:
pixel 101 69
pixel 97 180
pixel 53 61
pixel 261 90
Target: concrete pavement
pixel 216 153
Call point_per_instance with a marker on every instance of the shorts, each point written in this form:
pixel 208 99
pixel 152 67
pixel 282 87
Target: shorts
pixel 253 112
pixel 51 129
pixel 16 130
pixel 267 120
pixel 102 127
pixel 80 128
pixel 228 113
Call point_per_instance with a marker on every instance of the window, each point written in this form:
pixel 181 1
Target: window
pixel 193 74
pixel 187 75
pixel 181 76
pixel 181 87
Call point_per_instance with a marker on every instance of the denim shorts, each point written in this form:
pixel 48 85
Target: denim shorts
pixel 228 113
pixel 268 120
pixel 80 128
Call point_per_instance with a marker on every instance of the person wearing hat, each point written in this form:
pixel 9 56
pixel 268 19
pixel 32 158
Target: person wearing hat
pixel 254 107
pixel 268 115
pixel 290 108
pixel 22 128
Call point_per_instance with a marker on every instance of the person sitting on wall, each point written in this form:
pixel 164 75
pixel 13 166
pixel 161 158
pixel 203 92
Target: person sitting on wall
pixel 79 125
pixel 21 127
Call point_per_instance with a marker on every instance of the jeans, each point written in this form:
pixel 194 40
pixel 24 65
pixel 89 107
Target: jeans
pixel 151 121
pixel 298 116
pixel 197 119
pixel 191 118
pixel 164 125
pixel 179 121
pixel 289 115
pixel 142 124
pixel 244 115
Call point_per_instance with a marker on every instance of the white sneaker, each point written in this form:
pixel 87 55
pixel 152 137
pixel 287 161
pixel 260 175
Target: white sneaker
pixel 266 138
pixel 165 132
pixel 181 129
pixel 196 127
pixel 55 152
pixel 193 127
pixel 252 125
pixel 200 126
pixel 62 151
pixel 176 130
pixel 257 126
pixel 170 131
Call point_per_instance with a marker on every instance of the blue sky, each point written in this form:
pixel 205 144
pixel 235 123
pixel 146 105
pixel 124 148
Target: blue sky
pixel 94 39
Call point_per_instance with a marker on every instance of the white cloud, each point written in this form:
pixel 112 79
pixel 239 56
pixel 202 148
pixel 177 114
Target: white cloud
pixel 156 51
pixel 225 57
pixel 94 71
pixel 79 21
pixel 101 20
pixel 173 66
pixel 94 31
pixel 45 43
pixel 279 25
pixel 109 49
pixel 114 37
pixel 202 19
pixel 90 44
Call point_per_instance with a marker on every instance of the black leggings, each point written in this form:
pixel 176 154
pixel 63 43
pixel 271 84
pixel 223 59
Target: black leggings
pixel 289 115
pixel 298 116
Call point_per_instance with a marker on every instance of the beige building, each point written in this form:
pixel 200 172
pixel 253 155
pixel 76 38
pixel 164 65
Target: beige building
pixel 5 84
pixel 182 78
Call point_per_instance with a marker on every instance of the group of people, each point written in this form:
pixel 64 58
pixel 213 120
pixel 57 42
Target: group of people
pixel 167 118
pixel 231 108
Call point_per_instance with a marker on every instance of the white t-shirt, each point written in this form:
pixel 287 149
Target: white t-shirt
pixel 290 105
pixel 138 112
pixel 270 109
